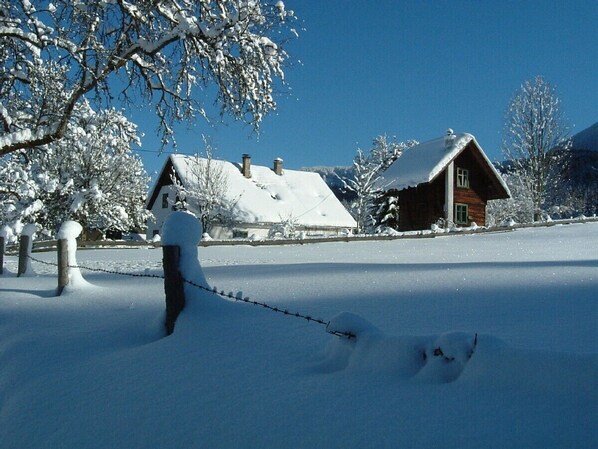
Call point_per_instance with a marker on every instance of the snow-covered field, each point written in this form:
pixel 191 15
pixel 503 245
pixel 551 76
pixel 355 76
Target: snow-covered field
pixel 91 369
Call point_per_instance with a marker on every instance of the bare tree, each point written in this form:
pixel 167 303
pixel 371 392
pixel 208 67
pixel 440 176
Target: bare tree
pixel 205 189
pixel 160 51
pixel 536 141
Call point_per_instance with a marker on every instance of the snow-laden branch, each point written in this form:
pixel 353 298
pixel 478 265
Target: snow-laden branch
pixel 169 48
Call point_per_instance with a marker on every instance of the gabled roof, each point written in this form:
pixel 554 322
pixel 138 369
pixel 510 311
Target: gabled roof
pixel 269 198
pixel 424 162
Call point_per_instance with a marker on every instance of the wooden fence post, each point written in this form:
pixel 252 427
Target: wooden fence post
pixel 173 286
pixel 23 254
pixel 2 248
pixel 63 265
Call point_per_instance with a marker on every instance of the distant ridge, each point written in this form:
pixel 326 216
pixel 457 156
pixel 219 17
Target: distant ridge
pixel 586 140
pixel 331 176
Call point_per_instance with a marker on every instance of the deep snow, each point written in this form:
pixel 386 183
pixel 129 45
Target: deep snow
pixel 92 368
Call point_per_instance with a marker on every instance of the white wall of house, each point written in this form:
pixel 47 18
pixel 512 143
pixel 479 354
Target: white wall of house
pixel 261 231
pixel 154 226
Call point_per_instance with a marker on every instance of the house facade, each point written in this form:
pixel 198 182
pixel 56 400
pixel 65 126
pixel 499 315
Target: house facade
pixel 262 199
pixel 447 178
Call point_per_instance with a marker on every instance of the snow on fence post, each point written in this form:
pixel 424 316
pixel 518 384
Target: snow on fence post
pixel 25 247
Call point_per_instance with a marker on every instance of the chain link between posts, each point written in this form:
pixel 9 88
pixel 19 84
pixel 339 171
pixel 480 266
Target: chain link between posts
pixel 238 297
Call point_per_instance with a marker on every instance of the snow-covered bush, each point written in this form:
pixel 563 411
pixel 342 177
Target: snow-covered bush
pixel 286 228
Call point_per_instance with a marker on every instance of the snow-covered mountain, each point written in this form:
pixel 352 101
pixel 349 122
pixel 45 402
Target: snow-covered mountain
pixel 586 140
pixel 332 176
pixel 583 168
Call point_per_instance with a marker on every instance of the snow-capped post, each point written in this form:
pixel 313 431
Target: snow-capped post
pixel 181 234
pixel 25 247
pixel 67 255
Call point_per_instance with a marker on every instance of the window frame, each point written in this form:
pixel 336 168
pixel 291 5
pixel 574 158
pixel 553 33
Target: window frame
pixel 165 201
pixel 458 215
pixel 462 178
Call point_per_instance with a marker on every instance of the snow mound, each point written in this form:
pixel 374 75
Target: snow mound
pixel 434 359
pixel 349 322
pixel 446 358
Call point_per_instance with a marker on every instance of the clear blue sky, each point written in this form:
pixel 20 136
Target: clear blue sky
pixel 409 69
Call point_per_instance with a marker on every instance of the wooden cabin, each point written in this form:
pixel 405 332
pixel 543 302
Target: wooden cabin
pixel 448 178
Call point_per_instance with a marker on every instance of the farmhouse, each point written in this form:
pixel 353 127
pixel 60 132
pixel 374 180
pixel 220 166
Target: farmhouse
pixel 446 178
pixel 261 199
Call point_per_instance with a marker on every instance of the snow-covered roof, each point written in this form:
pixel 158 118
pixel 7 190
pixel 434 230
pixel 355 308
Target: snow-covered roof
pixel 266 197
pixel 424 162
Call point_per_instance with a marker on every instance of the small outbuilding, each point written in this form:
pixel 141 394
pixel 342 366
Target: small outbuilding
pixel 448 178
pixel 261 198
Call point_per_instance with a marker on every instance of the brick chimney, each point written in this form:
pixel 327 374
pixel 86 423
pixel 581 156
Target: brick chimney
pixel 278 166
pixel 246 168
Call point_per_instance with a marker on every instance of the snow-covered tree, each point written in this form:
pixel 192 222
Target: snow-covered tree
pixel 205 190
pixel 518 209
pixel 367 169
pixel 174 54
pixel 388 211
pixel 363 185
pixel 536 142
pixel 90 176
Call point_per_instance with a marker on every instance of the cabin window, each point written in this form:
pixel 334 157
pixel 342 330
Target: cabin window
pixel 462 177
pixel 238 234
pixel 461 213
pixel 165 201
